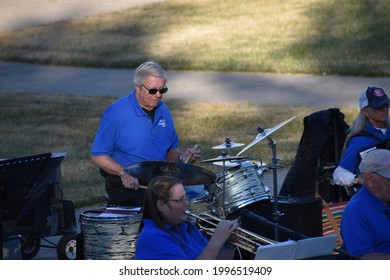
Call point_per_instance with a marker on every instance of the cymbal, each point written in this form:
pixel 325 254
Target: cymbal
pixel 227 144
pixel 189 174
pixel 227 163
pixel 224 158
pixel 267 132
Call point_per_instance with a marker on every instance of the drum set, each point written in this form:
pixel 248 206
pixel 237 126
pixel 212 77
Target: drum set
pixel 239 186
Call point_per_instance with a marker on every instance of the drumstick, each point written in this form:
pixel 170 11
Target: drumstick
pixel 189 156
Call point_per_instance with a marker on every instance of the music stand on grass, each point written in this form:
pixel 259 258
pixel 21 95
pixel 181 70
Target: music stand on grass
pixel 31 200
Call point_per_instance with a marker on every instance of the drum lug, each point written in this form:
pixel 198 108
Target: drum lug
pixel 123 231
pixel 97 229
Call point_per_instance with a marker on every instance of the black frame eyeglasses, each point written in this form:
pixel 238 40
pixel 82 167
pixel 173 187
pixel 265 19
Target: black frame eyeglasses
pixel 155 90
pixel 182 200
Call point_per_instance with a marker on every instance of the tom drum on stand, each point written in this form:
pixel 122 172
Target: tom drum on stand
pixel 243 187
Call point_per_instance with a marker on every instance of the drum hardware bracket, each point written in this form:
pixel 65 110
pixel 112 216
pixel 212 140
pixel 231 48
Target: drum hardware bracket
pixel 97 229
pixel 277 215
pixel 123 230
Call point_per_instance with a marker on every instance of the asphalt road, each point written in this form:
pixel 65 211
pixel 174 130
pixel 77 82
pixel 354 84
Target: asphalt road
pixel 253 88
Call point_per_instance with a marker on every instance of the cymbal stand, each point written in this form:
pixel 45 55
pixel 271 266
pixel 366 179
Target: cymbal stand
pixel 228 146
pixel 223 191
pixel 274 166
pixel 223 185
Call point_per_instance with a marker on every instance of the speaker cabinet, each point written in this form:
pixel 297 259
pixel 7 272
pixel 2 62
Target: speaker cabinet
pixel 299 214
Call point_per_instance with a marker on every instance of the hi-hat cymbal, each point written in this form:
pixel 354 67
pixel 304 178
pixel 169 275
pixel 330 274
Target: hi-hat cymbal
pixel 189 174
pixel 267 132
pixel 228 144
pixel 225 158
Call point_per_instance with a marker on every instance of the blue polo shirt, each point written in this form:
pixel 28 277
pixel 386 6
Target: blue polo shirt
pixel 128 134
pixel 155 244
pixel 351 158
pixel 365 227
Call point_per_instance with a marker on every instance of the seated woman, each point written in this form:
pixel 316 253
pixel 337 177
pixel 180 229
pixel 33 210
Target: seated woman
pixel 370 129
pixel 166 233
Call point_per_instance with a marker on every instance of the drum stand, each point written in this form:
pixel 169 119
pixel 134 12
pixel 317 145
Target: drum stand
pixel 223 216
pixel 224 154
pixel 275 166
pixel 223 190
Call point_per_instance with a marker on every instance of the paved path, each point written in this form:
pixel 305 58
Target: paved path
pixel 254 88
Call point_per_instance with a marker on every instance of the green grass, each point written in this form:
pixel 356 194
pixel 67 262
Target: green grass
pixel 34 123
pixel 349 37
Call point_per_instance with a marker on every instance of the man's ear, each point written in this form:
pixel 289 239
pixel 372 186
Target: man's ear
pixel 137 88
pixel 367 179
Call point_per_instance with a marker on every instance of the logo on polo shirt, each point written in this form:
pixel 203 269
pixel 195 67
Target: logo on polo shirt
pixel 162 123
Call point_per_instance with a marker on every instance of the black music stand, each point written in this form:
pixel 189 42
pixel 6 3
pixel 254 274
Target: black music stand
pixel 17 177
pixel 23 185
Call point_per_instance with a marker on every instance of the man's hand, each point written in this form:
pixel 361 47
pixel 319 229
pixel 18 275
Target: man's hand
pixel 128 181
pixel 191 155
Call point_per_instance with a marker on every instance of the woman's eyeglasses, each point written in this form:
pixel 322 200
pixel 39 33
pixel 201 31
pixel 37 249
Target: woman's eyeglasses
pixel 182 200
pixel 155 90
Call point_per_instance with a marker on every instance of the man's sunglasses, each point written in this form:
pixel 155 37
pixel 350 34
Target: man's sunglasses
pixel 155 90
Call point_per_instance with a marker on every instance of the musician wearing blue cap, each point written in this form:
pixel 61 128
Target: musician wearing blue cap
pixel 369 129
pixel 365 224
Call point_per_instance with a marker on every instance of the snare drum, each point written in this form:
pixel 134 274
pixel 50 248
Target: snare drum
pixel 110 233
pixel 243 186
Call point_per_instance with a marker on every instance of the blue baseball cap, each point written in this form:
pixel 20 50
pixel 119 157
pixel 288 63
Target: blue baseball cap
pixel 373 97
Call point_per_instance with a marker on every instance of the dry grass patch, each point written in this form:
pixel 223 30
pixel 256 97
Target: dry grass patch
pixel 297 36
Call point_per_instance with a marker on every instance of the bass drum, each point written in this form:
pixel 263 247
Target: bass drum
pixel 243 187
